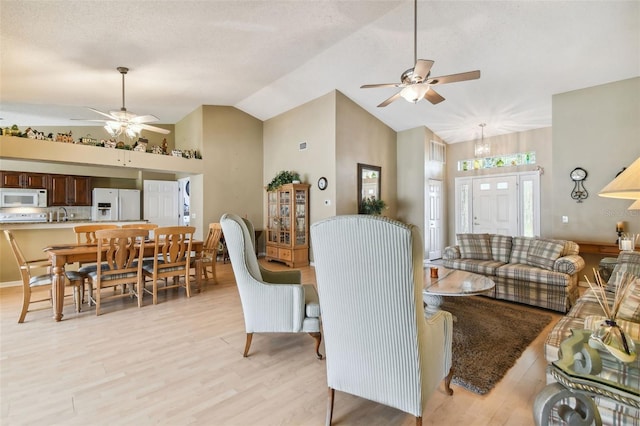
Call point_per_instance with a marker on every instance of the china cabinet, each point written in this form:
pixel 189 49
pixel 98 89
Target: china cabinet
pixel 288 225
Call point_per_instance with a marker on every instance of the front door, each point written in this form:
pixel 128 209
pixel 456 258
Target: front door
pixel 495 205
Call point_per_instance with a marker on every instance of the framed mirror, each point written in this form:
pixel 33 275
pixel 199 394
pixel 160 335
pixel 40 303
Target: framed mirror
pixel 369 182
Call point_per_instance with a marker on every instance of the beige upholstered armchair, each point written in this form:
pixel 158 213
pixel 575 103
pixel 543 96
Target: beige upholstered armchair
pixel 378 344
pixel 269 304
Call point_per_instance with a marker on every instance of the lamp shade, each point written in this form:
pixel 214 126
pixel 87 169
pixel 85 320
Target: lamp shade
pixel 625 185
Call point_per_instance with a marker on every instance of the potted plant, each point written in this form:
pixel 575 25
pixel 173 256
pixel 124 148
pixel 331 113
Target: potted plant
pixel 282 178
pixel 371 205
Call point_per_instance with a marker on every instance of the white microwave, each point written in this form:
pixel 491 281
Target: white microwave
pixel 23 197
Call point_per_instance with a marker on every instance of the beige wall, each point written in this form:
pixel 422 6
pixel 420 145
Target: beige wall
pixel 598 129
pixel 362 138
pixel 315 124
pixel 414 169
pixel 232 155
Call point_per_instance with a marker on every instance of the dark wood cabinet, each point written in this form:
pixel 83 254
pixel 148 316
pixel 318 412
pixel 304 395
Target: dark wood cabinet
pixel 69 190
pixel 79 191
pixel 57 194
pixel 24 180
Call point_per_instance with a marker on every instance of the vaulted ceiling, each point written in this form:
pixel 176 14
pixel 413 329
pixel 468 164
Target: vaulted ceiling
pixel 266 57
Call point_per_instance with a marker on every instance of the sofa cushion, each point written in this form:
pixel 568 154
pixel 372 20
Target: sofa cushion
pixel 520 249
pixel 484 267
pixel 501 247
pixel 532 274
pixel 543 253
pixel 475 246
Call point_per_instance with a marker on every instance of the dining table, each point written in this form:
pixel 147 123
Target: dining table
pixel 65 254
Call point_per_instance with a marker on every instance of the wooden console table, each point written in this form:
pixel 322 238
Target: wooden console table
pixel 606 249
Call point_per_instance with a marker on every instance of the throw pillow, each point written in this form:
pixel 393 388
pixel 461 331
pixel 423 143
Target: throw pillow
pixel 543 253
pixel 501 247
pixel 630 307
pixel 619 270
pixel 474 246
pixel 520 249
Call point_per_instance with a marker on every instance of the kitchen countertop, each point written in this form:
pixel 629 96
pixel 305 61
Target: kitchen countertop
pixel 62 224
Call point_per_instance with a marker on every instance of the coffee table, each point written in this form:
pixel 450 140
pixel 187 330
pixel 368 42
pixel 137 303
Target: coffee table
pixel 451 282
pixel 581 373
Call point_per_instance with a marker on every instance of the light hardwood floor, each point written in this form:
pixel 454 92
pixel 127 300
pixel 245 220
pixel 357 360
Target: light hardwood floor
pixel 180 363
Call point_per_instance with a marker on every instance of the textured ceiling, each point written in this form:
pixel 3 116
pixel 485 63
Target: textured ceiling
pixel 266 57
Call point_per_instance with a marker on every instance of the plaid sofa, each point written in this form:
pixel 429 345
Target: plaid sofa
pixel 534 271
pixel 587 314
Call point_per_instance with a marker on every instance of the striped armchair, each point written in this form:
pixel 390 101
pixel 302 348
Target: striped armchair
pixel 379 346
pixel 272 301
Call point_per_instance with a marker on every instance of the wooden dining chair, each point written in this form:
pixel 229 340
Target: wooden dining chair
pixel 210 251
pixel 31 281
pixel 171 259
pixel 86 234
pixel 120 252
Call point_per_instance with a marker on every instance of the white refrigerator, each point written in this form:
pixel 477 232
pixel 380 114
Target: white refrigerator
pixel 115 204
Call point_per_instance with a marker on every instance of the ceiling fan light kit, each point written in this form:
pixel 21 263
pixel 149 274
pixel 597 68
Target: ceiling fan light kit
pixel 121 121
pixel 416 82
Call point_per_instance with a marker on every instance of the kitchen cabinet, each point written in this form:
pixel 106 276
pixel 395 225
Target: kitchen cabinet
pixel 69 190
pixel 12 179
pixel 288 225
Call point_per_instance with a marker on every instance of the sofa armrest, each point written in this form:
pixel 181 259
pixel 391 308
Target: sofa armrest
pixel 451 252
pixel 571 264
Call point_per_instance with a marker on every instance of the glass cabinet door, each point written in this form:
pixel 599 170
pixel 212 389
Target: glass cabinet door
pixel 273 221
pixel 285 216
pixel 301 217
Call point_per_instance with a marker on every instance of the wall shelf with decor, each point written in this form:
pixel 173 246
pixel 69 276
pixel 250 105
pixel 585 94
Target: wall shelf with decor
pixel 18 148
pixel 508 160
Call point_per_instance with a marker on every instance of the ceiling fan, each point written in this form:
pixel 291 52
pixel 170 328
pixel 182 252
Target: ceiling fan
pixel 416 82
pixel 124 121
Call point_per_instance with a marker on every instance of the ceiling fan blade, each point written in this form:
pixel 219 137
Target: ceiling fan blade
pixel 421 70
pixel 111 117
pixel 374 86
pixel 453 78
pixel 154 129
pixel 389 100
pixel 433 96
pixel 141 119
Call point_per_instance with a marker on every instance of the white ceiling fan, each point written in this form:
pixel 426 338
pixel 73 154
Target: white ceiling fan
pixel 124 121
pixel 416 82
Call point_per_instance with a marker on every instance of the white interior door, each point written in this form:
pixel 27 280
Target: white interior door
pixel 161 202
pixel 434 235
pixel 495 205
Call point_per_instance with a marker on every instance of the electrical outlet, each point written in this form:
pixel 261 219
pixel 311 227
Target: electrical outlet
pixel 565 219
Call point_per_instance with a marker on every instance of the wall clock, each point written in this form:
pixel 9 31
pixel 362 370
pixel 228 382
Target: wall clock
pixel 322 183
pixel 578 175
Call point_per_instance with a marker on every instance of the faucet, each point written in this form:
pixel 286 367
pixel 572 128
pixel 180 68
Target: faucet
pixel 66 214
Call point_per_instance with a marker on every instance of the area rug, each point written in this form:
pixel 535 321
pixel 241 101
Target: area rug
pixel 488 338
